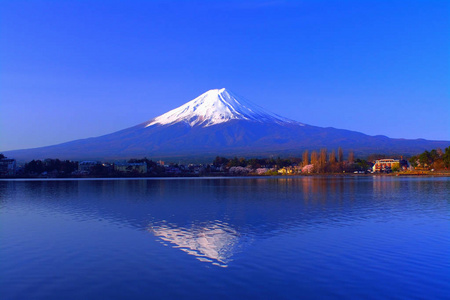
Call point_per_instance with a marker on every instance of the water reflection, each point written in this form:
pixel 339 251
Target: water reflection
pixel 283 237
pixel 211 218
pixel 212 242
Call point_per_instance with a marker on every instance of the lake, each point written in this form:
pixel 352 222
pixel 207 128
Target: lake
pixel 226 238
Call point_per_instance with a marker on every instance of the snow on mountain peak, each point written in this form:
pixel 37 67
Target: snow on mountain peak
pixel 214 107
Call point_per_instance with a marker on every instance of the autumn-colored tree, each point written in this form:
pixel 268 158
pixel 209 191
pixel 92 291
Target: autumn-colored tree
pixel 333 165
pixel 322 160
pixel 305 158
pixel 314 160
pixel 340 155
pixel 332 158
pixel 434 159
pixel 351 157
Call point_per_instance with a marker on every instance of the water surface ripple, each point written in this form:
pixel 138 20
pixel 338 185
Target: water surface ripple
pixel 230 238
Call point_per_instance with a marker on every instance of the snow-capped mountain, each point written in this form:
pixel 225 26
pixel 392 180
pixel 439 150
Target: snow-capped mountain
pixel 219 123
pixel 215 107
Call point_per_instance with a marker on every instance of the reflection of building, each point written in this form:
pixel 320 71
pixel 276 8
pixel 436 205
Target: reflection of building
pixel 211 242
pixel 385 164
pixel 131 167
pixel 7 166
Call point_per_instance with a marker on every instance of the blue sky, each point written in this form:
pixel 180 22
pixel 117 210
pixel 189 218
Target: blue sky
pixel 77 69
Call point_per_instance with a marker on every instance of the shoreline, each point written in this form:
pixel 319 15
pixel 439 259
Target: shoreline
pixel 222 176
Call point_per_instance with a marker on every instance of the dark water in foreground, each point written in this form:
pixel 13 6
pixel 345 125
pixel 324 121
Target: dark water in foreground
pixel 266 238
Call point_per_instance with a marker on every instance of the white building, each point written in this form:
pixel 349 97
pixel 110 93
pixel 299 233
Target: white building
pixel 385 164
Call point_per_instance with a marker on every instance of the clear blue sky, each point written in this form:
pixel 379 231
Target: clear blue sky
pixel 77 69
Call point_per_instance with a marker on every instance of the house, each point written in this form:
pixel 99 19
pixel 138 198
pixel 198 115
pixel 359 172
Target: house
pixel 131 167
pixel 7 166
pixel 286 171
pixel 382 165
pixel 86 166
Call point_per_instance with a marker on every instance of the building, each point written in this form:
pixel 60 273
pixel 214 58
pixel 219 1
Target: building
pixel 383 165
pixel 7 166
pixel 131 167
pixel 86 166
pixel 286 171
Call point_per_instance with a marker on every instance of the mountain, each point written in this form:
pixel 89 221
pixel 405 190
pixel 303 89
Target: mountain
pixel 216 107
pixel 219 123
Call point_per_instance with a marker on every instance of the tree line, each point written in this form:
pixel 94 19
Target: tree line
pixel 50 165
pixel 319 161
pixel 434 159
pixel 322 162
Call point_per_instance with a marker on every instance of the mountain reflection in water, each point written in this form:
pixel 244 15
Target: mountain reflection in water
pixel 330 237
pixel 212 242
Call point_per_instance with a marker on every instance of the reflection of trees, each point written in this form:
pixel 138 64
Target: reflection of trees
pixel 327 190
pixel 213 242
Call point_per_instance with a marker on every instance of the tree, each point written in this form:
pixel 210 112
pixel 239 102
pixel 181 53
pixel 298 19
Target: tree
pixel 242 162
pixel 305 158
pixel 446 157
pixel 395 167
pixel 425 159
pixel 2 156
pixel 363 165
pixel 340 155
pixel 434 159
pixel 219 161
pixel 234 162
pixel 69 166
pixel 255 163
pixel 34 167
pixel 314 160
pixel 279 162
pixel 332 158
pixel 351 157
pixel 322 159
pixel 413 161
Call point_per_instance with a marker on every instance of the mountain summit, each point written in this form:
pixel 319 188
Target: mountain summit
pixel 220 123
pixel 215 107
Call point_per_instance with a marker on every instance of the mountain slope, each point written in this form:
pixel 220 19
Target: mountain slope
pixel 218 123
pixel 216 107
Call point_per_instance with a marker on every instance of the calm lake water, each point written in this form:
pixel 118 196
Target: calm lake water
pixel 265 238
